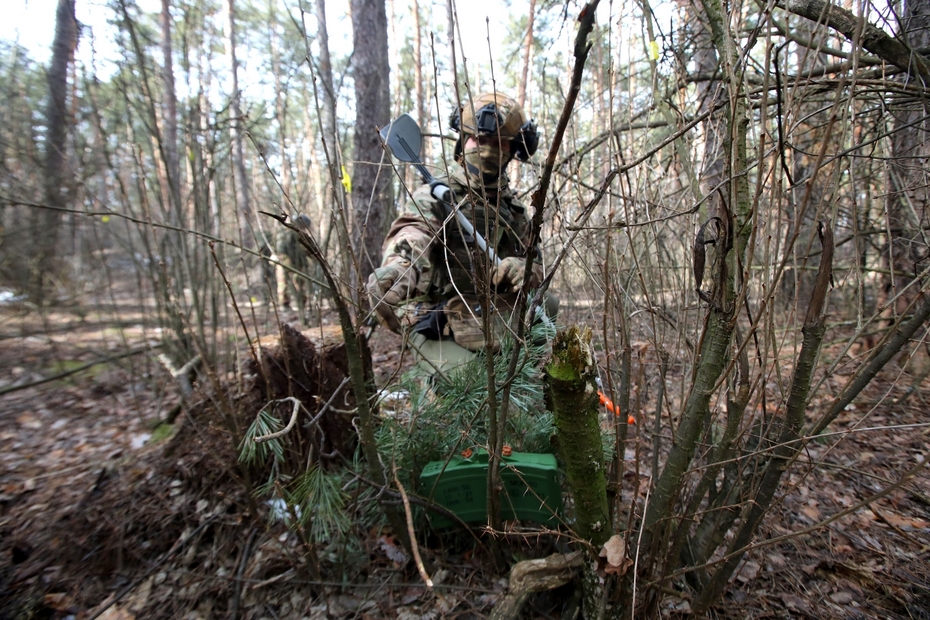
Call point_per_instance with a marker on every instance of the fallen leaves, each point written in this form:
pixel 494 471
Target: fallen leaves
pixel 59 601
pixel 613 556
pixel 901 522
pixel 748 571
pixel 29 420
pixel 394 552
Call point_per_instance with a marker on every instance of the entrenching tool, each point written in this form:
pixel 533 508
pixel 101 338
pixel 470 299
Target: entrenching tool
pixel 402 136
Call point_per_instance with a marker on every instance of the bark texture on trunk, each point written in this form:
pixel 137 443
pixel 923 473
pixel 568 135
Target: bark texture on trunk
pixel 787 445
pixel 57 179
pixel 570 377
pixel 908 197
pixel 243 202
pixel 325 67
pixel 372 187
pixel 710 93
pixel 527 55
pixel 170 111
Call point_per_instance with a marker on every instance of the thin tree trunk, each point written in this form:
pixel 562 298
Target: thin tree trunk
pixel 787 444
pixel 372 187
pixel 280 105
pixel 57 179
pixel 527 53
pixel 330 137
pixel 570 378
pixel 243 205
pixel 170 111
pixel 709 94
pixel 908 194
pixel 718 332
pixel 420 85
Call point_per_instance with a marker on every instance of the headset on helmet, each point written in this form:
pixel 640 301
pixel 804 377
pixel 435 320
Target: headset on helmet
pixel 496 114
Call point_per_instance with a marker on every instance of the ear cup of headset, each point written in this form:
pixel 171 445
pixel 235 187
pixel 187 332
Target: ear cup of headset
pixel 455 124
pixel 455 120
pixel 525 143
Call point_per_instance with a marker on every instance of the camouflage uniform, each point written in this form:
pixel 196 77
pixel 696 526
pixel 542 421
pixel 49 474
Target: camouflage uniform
pixel 432 271
pixel 293 290
pixel 441 309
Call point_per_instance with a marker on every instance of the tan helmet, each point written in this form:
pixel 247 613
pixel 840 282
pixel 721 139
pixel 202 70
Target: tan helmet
pixel 493 114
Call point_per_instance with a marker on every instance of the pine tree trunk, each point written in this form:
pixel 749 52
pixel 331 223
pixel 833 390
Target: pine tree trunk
pixel 372 185
pixel 330 137
pixel 56 146
pixel 410 178
pixel 527 53
pixel 243 205
pixel 325 68
pixel 170 113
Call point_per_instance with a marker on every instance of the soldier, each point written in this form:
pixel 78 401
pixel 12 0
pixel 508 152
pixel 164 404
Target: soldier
pixel 431 275
pixel 294 291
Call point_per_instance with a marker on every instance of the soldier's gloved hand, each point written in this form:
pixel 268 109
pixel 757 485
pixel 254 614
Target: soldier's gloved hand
pixel 388 286
pixel 441 191
pixel 508 276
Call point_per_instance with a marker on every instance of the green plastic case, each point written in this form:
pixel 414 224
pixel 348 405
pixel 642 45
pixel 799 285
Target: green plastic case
pixel 531 488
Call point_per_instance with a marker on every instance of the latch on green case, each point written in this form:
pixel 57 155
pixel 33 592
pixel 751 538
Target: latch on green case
pixel 531 488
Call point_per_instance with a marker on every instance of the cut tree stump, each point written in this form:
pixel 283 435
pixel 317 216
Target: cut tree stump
pixel 532 576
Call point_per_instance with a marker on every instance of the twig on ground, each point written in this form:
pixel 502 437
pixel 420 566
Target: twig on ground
pixel 177 546
pixel 414 547
pixel 22 386
pixel 290 425
pixel 246 551
pixel 183 375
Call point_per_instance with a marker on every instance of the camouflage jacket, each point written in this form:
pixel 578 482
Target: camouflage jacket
pixel 427 237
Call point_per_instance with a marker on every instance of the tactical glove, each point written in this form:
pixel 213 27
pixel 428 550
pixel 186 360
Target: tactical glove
pixel 388 286
pixel 508 276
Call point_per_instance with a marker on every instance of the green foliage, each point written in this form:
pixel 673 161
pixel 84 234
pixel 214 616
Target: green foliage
pixel 316 497
pixel 448 414
pixel 253 453
pixel 322 503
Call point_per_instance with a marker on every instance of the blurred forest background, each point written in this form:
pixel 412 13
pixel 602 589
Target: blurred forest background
pixel 736 205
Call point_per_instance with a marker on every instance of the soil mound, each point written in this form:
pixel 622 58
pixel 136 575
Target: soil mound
pixel 186 502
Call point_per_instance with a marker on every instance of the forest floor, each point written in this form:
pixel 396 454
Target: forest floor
pixel 106 513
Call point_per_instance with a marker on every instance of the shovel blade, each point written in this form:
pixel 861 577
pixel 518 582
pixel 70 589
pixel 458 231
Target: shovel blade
pixel 402 136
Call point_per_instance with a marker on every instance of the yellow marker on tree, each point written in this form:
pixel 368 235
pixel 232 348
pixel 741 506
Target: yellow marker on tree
pixel 654 49
pixel 346 180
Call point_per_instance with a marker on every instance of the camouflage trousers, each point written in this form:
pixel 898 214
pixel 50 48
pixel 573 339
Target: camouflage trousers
pixel 446 335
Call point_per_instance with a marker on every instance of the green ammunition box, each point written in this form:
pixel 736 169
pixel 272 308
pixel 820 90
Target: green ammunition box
pixel 531 488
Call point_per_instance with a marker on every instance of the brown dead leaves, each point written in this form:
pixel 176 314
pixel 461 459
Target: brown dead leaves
pixel 613 558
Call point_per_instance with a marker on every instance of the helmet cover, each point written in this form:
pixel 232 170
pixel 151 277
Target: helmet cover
pixel 496 114
pixel 492 114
